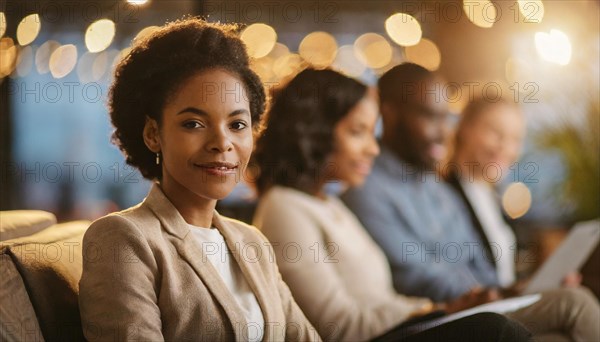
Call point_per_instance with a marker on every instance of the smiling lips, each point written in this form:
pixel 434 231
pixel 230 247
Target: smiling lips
pixel 363 168
pixel 218 168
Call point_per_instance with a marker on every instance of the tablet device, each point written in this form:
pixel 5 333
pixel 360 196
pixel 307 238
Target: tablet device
pixel 569 257
pixel 502 306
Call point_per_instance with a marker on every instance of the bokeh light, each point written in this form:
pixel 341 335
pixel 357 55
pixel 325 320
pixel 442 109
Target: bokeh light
pixel 373 50
pixel 145 32
pixel 426 54
pixel 119 57
pixel 42 56
pixel 403 29
pixel 8 56
pixel 92 66
pixel 263 67
pixel 288 66
pixel 347 63
pixel 25 61
pixel 99 66
pixel 28 29
pixel 3 24
pixel 516 200
pixel 99 35
pixel 279 50
pixel 259 39
pixel 63 60
pixel 480 12
pixel 397 58
pixel 318 49
pixel 554 47
pixel 532 10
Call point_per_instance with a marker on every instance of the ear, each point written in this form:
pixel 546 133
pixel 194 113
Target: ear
pixel 151 135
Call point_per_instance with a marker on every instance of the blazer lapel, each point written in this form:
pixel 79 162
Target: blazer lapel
pixel 251 270
pixel 191 251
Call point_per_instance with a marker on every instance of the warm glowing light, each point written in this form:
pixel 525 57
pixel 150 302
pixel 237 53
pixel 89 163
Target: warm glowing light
pixel 42 56
pixel 99 35
pixel 279 50
pixel 63 60
pixel 532 10
pixel 318 49
pixel 2 24
pixel 259 39
pixel 100 66
pixel 398 57
pixel 122 54
pixel 91 66
pixel 263 67
pixel 373 50
pixel 84 67
pixel 137 2
pixel 347 63
pixel 25 61
pixel 8 56
pixel 480 12
pixel 426 54
pixel 404 29
pixel 516 200
pixel 145 32
pixel 288 66
pixel 554 47
pixel 28 29
pixel 519 70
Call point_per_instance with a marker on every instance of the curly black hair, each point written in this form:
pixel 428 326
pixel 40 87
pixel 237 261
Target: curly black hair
pixel 158 65
pixel 293 149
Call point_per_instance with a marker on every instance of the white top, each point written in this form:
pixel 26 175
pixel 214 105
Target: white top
pixel 499 234
pixel 214 247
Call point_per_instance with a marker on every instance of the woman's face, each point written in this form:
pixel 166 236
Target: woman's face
pixel 355 146
pixel 496 136
pixel 205 138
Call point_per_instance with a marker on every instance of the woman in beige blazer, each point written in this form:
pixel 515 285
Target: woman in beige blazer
pixel 185 106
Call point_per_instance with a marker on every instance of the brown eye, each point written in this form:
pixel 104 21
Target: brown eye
pixel 239 125
pixel 192 124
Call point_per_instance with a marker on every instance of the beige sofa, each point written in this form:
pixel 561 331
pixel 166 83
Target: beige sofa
pixel 40 267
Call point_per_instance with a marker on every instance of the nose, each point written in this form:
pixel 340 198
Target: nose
pixel 219 141
pixel 372 148
pixel 440 128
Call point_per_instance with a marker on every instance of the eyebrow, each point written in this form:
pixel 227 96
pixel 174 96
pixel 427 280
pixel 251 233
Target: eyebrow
pixel 203 113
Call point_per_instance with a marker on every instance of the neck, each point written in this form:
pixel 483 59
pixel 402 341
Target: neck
pixel 402 156
pixel 194 209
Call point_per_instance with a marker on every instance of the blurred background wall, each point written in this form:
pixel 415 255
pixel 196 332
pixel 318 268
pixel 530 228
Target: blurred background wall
pixel 56 59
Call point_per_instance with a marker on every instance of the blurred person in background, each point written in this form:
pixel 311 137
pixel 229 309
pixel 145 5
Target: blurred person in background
pixel 490 134
pixel 320 129
pixel 423 225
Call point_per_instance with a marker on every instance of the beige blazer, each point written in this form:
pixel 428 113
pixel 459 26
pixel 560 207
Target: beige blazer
pixel 145 277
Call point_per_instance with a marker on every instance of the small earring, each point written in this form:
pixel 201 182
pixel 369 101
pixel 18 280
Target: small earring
pixel 157 158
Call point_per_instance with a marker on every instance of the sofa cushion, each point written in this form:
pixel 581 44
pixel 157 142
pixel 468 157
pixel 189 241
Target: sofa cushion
pixel 18 223
pixel 50 263
pixel 19 322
